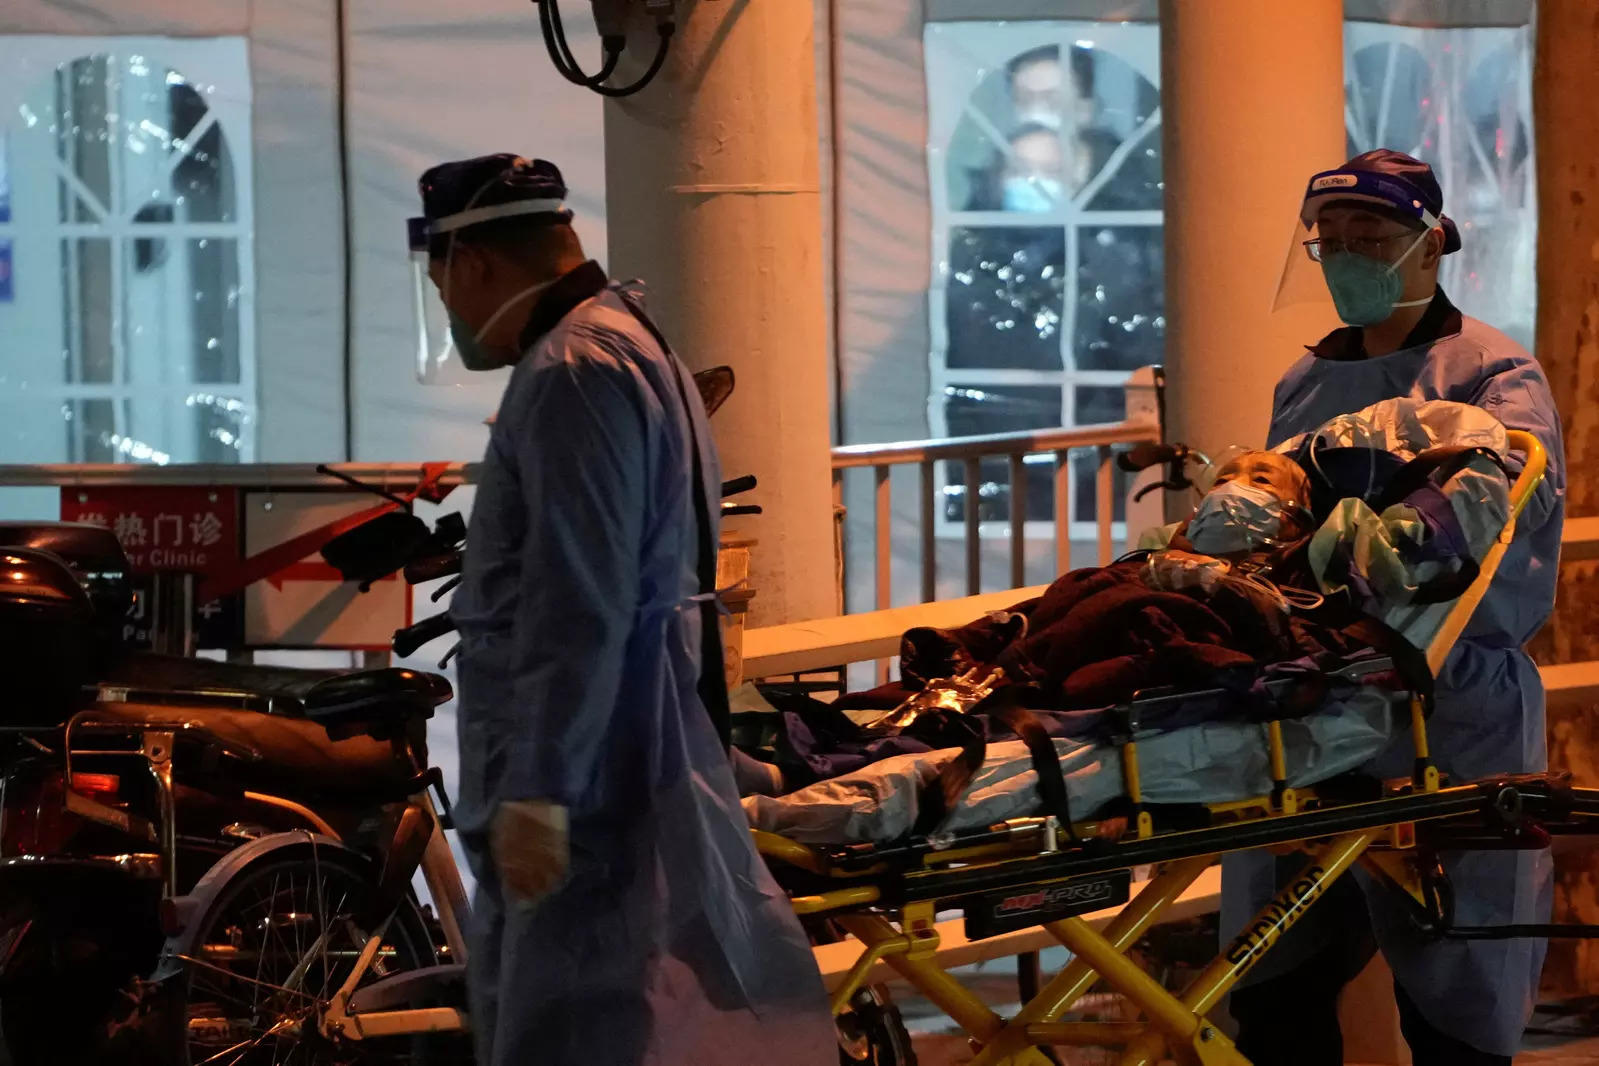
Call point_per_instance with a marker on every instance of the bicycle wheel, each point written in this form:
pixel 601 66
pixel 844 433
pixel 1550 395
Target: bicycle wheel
pixel 272 951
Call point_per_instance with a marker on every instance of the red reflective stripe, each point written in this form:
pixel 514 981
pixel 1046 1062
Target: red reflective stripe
pixel 311 570
pixel 281 556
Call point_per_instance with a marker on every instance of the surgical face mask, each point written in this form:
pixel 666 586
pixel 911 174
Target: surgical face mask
pixel 1365 290
pixel 1235 517
pixel 1045 116
pixel 475 355
pixel 1033 195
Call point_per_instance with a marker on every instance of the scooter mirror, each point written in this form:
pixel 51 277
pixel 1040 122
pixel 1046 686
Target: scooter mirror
pixel 377 548
pixel 715 385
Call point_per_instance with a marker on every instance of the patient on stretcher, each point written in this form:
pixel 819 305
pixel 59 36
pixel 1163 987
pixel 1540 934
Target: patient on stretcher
pixel 1217 598
pixel 1258 584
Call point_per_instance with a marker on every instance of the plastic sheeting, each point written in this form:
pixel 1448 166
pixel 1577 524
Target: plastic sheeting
pixel 1211 763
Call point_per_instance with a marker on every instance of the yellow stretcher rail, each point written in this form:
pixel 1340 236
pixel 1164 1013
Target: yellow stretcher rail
pixel 1381 834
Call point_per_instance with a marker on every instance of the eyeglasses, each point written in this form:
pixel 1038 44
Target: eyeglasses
pixel 1370 247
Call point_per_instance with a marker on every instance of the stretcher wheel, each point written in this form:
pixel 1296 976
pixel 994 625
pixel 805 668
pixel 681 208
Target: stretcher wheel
pixel 872 1033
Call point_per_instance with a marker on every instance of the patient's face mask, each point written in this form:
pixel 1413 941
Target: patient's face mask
pixel 1235 517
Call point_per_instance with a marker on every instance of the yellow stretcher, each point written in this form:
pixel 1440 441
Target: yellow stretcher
pixel 1031 871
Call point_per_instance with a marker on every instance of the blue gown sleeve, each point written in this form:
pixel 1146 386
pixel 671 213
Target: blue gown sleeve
pixel 1518 396
pixel 580 444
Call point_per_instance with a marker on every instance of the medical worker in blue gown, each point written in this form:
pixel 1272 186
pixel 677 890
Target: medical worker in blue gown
pixel 1377 229
pixel 622 915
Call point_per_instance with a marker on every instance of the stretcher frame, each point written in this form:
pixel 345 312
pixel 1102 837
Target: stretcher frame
pixel 889 898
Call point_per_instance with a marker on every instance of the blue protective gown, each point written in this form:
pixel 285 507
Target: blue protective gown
pixel 1489 716
pixel 580 652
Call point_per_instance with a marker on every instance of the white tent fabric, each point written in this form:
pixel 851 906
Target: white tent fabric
pixel 429 83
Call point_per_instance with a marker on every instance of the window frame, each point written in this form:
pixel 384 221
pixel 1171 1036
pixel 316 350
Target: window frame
pixel 955 68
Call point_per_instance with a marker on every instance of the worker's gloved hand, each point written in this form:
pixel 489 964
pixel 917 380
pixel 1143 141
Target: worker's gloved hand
pixel 530 845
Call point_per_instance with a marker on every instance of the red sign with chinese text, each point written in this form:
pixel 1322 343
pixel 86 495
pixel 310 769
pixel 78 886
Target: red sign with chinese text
pixel 194 530
pixel 181 528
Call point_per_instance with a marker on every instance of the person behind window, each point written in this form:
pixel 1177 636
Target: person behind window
pixel 1038 171
pixel 1038 87
pixel 1008 285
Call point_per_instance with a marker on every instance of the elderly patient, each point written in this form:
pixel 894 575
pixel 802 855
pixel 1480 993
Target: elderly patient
pixel 1173 617
pixel 1244 584
pixel 1207 606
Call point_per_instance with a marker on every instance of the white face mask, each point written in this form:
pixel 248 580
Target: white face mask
pixel 1040 115
pixel 1235 517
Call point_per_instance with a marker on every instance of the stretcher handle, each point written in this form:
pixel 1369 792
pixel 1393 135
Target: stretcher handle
pixel 1527 482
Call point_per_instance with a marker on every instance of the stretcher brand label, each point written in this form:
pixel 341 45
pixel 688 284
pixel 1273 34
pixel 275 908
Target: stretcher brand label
pixel 994 914
pixel 1280 914
pixel 1081 892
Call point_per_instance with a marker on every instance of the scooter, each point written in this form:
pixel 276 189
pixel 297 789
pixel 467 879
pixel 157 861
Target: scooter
pixel 206 862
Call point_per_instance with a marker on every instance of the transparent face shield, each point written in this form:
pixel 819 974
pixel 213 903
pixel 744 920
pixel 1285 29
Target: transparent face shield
pixel 436 357
pixel 435 360
pixel 1302 281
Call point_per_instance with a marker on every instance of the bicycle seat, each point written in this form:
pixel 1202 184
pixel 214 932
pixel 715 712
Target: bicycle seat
pixel 358 702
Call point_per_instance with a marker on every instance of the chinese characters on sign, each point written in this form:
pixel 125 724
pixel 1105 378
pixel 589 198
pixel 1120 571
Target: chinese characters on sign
pixel 185 530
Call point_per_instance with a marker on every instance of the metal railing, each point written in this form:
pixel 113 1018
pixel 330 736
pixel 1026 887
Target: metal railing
pixel 263 476
pixel 1142 424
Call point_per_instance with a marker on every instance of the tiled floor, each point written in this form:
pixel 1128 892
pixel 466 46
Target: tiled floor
pixel 1573 1053
pixel 945 1050
pixel 1562 1041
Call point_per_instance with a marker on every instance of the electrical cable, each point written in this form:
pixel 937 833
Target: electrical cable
pixel 566 64
pixel 561 55
pixel 665 29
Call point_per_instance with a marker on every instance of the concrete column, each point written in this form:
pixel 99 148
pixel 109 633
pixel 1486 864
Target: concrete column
pixel 712 198
pixel 1252 104
pixel 1566 139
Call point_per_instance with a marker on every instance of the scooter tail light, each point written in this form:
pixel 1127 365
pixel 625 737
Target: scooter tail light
pixel 97 786
pixel 33 815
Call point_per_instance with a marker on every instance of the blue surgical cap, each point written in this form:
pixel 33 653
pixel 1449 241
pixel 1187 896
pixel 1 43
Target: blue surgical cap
pixel 459 196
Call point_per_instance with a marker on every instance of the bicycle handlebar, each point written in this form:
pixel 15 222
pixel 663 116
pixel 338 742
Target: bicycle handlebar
pixel 408 640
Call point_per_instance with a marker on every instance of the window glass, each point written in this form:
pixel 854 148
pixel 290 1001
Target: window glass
pixel 126 329
pixel 1461 100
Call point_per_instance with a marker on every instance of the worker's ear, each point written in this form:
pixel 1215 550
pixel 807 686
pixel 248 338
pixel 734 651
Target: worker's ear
pixel 1433 250
pixel 469 266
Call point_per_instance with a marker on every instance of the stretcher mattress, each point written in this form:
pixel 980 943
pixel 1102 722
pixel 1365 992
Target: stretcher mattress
pixel 1213 762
